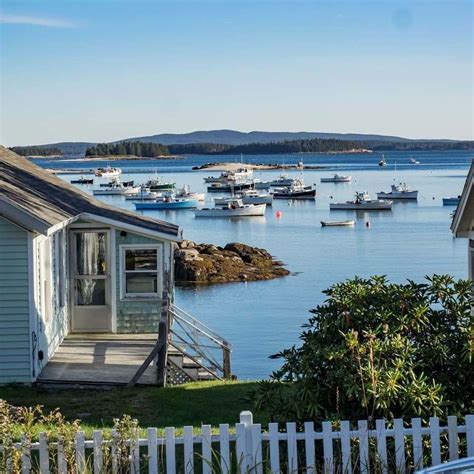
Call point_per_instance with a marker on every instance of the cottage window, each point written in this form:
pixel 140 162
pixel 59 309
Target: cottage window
pixel 141 272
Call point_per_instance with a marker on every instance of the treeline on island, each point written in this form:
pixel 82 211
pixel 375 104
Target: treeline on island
pixel 316 145
pixel 149 150
pixel 36 151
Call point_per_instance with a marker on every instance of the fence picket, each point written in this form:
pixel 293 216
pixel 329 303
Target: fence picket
pixel 346 447
pixel 135 452
pixel 435 441
pixel 453 437
pixel 363 446
pixel 291 448
pixel 113 452
pixel 327 447
pixel 98 461
pixel 43 453
pixel 309 447
pixel 470 435
pixel 274 448
pixel 417 443
pixel 170 451
pixel 206 449
pixel 224 448
pixel 240 447
pixel 188 450
pixel 152 451
pixel 62 465
pixel 25 455
pixel 382 446
pixel 257 447
pixel 80 452
pixel 400 462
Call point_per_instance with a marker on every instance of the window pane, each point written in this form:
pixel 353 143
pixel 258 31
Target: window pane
pixel 141 283
pixel 91 256
pixel 140 259
pixel 90 292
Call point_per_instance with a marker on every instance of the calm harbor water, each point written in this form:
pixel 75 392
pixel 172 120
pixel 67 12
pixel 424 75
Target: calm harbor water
pixel 261 318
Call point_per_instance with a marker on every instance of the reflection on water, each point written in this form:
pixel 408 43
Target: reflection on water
pixel 262 318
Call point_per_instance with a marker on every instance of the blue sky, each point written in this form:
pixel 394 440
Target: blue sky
pixel 108 69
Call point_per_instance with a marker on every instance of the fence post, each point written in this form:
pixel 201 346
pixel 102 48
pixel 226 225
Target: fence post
pixel 163 335
pixel 246 418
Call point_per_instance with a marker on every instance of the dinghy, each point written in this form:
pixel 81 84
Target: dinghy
pixel 338 223
pixel 337 178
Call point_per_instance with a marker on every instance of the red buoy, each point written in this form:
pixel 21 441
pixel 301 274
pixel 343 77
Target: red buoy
pixel 278 214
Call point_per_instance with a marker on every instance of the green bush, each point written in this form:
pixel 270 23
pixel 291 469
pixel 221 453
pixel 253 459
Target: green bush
pixel 379 349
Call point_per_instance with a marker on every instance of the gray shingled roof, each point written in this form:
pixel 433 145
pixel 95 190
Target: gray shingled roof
pixel 45 198
pixel 464 213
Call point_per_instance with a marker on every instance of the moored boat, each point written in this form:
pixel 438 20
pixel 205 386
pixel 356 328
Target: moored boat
pixel 158 184
pixel 108 172
pixel 233 208
pixel 248 196
pixel 167 203
pixel 398 191
pixel 297 190
pixel 337 178
pixel 82 181
pixel 451 201
pixel 115 189
pixel 382 162
pixel 414 161
pixel 185 192
pixel 228 188
pixel 362 202
pixel 338 223
pixel 282 180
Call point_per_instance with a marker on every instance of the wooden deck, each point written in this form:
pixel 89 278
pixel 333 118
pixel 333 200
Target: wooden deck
pixel 105 359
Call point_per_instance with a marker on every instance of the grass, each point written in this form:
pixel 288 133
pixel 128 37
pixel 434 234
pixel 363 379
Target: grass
pixel 191 404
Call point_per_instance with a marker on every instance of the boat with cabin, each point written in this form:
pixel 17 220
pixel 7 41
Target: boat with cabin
pixel 108 172
pixel 240 174
pixel 248 196
pixel 185 192
pixel 414 161
pixel 382 162
pixel 157 183
pixel 348 223
pixel 282 180
pixel 362 202
pixel 399 191
pixel 233 208
pixel 297 190
pixel 228 188
pixel 115 189
pixel 337 178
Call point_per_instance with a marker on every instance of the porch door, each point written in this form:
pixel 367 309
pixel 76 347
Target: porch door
pixel 91 285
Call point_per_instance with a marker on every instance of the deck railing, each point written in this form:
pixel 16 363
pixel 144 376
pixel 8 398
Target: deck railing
pixel 200 343
pixel 246 448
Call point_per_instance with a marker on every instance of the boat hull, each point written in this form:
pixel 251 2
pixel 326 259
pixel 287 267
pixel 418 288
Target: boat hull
pixel 268 200
pixel 248 211
pixel 306 194
pixel 412 195
pixel 366 206
pixel 228 188
pixel 337 223
pixel 188 204
pixel 450 201
pixel 336 180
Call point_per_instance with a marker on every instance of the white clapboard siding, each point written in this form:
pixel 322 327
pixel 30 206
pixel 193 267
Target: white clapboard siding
pixel 278 449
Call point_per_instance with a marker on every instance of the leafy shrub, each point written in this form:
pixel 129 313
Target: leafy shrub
pixel 379 349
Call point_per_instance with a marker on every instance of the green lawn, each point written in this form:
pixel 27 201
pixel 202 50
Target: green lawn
pixel 191 404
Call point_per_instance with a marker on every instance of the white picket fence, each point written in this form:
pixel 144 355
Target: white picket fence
pixel 345 450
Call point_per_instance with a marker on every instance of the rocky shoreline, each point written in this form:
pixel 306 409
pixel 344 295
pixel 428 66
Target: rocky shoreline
pixel 208 263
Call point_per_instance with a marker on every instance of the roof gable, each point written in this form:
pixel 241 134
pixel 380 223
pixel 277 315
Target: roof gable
pixel 463 219
pixel 42 200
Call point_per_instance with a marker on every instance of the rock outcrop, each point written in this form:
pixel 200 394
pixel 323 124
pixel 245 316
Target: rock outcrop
pixel 208 263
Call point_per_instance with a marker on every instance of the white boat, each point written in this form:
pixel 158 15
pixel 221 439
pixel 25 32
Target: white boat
pixel 248 196
pixel 399 191
pixel 338 223
pixel 144 194
pixel 185 192
pixel 337 178
pixel 382 162
pixel 238 175
pixel 116 189
pixel 283 180
pixel 362 202
pixel 414 161
pixel 108 172
pixel 233 208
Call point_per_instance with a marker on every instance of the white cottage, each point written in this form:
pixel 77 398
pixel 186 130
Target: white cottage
pixel 463 221
pixel 82 285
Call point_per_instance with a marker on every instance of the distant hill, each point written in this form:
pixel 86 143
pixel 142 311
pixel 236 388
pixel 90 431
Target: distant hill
pixel 235 138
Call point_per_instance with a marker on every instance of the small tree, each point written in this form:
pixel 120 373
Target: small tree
pixel 379 349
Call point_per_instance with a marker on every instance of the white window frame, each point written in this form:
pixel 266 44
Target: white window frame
pixel 159 271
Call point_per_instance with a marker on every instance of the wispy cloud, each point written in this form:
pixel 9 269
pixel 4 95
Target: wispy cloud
pixel 36 21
